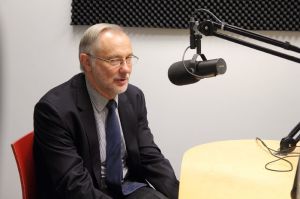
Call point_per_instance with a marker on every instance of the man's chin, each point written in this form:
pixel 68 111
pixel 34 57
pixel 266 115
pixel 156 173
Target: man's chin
pixel 122 89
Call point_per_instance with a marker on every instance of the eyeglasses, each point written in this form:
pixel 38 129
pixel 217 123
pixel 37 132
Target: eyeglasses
pixel 117 62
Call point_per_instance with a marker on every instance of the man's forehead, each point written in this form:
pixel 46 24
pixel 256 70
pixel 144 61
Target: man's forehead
pixel 114 44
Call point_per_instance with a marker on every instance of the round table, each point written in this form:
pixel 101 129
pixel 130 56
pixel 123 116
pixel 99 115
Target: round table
pixel 235 169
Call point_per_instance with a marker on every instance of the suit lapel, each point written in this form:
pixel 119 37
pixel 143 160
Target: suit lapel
pixel 87 119
pixel 129 126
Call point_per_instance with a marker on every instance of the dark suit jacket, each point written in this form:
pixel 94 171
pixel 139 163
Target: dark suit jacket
pixel 66 147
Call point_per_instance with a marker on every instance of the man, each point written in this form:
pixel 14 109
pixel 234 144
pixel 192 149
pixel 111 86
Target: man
pixel 73 128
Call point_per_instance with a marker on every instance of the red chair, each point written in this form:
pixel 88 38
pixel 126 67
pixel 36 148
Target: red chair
pixel 23 153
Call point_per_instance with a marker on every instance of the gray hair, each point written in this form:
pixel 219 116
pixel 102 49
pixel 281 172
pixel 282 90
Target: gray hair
pixel 91 35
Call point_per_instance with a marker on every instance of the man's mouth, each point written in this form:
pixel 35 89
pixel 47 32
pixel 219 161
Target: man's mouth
pixel 122 80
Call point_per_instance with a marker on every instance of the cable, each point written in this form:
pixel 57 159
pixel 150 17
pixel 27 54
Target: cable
pixel 277 154
pixel 183 62
pixel 222 24
pixel 210 13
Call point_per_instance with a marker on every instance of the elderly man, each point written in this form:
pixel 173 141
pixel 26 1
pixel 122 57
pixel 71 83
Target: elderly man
pixel 92 138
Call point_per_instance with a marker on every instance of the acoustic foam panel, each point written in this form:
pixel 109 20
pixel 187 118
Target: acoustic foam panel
pixel 247 14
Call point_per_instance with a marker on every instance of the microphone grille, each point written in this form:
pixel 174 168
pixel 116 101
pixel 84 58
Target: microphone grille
pixel 178 74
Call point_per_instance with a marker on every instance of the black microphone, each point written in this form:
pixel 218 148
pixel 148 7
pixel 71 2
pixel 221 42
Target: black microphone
pixel 197 70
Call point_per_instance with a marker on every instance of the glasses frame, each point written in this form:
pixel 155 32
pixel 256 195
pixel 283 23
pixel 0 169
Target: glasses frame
pixel 121 60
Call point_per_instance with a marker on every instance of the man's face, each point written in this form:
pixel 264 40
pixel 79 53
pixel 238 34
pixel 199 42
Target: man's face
pixel 107 79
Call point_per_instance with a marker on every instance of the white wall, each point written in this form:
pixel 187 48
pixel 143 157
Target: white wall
pixel 258 95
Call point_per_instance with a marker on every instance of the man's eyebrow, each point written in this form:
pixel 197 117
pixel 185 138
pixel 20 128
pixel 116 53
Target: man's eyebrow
pixel 118 56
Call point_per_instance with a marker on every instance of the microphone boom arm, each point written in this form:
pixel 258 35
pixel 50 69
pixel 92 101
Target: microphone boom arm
pixel 210 28
pixel 288 143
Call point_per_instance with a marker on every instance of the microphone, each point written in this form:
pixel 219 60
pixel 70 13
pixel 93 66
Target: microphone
pixel 195 70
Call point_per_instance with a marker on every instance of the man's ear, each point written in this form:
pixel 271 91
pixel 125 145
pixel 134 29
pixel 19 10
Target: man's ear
pixel 85 62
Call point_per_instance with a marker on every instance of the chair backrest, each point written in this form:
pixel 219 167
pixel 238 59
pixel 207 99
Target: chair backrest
pixel 23 153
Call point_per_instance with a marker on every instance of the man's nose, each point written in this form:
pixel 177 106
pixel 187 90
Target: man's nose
pixel 125 66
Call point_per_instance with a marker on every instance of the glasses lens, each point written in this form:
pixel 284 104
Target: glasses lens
pixel 118 62
pixel 115 62
pixel 132 60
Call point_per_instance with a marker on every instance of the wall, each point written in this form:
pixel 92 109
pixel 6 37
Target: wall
pixel 257 97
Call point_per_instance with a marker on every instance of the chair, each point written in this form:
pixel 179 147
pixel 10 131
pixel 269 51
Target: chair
pixel 23 153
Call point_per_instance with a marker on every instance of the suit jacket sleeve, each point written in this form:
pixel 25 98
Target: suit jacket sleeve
pixel 61 170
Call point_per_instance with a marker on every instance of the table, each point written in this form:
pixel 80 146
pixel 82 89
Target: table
pixel 234 169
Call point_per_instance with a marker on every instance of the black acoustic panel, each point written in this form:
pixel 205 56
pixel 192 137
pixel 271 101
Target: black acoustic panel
pixel 247 14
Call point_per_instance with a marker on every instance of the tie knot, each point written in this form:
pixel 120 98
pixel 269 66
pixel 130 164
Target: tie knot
pixel 111 105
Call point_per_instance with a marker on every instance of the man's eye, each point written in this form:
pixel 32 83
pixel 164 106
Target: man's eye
pixel 115 61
